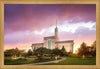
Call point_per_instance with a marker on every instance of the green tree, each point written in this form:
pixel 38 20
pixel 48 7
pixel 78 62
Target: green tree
pixel 29 53
pixel 56 51
pixel 9 52
pixel 63 51
pixel 13 52
pixel 41 51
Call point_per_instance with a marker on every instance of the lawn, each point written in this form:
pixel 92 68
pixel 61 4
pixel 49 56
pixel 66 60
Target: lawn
pixel 9 61
pixel 76 61
pixel 68 61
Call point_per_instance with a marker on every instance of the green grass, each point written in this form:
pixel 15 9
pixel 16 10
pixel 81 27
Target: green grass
pixel 76 61
pixel 9 61
pixel 68 61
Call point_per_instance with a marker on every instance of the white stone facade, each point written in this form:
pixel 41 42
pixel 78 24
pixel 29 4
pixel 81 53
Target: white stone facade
pixel 52 42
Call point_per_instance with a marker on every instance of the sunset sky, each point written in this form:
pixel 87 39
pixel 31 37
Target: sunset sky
pixel 25 24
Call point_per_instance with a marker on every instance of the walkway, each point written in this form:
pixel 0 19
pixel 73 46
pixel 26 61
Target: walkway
pixel 56 61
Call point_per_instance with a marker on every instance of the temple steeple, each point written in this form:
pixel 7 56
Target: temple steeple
pixel 56 31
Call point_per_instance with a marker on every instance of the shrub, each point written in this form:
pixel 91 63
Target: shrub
pixel 73 55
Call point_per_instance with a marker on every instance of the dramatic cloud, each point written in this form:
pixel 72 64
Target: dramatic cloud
pixel 25 16
pixel 29 23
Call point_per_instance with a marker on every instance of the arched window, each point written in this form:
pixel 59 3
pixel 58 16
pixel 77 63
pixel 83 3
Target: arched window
pixel 49 44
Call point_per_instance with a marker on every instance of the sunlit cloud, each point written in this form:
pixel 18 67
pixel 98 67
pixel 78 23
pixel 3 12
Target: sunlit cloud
pixel 30 26
pixel 64 27
pixel 67 27
pixel 39 32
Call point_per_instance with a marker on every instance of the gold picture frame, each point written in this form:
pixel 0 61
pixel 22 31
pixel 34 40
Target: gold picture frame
pixel 2 2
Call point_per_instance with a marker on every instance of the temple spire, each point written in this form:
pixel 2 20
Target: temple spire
pixel 56 32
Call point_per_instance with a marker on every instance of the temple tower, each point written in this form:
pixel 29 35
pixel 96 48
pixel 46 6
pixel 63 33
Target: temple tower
pixel 56 32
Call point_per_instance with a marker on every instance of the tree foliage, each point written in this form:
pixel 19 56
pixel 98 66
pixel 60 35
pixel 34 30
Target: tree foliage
pixel 29 53
pixel 41 51
pixel 94 48
pixel 87 50
pixel 13 52
pixel 56 51
pixel 83 49
pixel 63 51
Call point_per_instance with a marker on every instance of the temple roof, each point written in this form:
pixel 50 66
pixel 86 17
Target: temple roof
pixel 68 41
pixel 37 44
pixel 49 37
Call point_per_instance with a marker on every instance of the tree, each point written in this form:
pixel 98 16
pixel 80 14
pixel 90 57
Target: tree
pixel 13 52
pixel 94 45
pixel 9 52
pixel 94 49
pixel 41 51
pixel 63 51
pixel 83 49
pixel 29 53
pixel 87 50
pixel 56 51
pixel 17 52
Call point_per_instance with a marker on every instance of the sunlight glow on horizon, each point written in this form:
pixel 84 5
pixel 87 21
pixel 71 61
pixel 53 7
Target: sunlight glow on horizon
pixel 27 46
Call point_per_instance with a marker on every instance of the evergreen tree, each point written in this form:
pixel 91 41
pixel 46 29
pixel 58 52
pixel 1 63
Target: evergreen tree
pixel 63 51
pixel 29 52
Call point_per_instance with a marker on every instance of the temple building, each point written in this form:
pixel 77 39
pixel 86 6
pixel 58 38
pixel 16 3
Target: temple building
pixel 52 42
